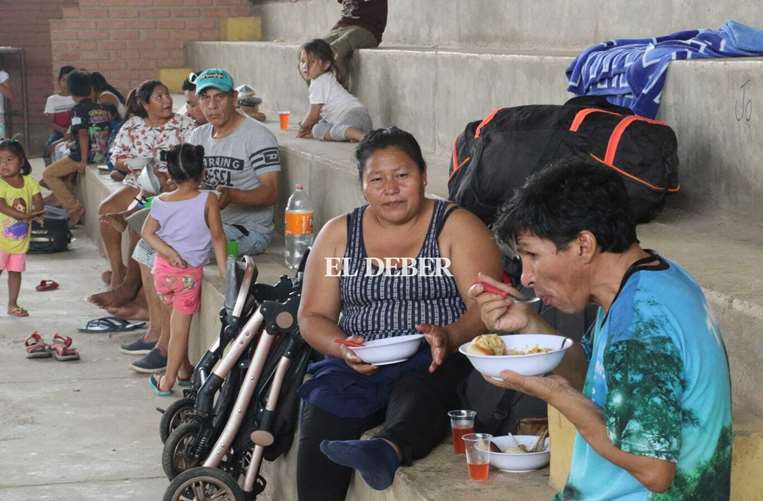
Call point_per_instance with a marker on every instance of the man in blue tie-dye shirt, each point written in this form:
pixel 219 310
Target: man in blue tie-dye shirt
pixel 654 418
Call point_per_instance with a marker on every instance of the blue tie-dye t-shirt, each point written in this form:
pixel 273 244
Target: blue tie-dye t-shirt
pixel 659 373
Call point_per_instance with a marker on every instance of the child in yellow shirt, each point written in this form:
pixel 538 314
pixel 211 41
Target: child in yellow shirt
pixel 20 202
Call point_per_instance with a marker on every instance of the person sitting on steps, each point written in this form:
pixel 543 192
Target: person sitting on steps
pixel 152 128
pixel 360 27
pixel 654 415
pixel 90 128
pixel 335 114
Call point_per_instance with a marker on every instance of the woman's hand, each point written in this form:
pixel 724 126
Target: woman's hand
pixel 439 342
pixel 497 313
pixel 354 362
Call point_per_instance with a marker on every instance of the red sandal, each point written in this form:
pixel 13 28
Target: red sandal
pixel 36 347
pixel 61 347
pixel 47 285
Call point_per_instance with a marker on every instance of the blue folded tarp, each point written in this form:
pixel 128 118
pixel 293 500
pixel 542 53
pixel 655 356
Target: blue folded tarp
pixel 631 72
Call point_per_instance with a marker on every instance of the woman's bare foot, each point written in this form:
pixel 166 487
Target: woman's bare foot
pixel 116 297
pixel 76 215
pixel 131 311
pixel 107 275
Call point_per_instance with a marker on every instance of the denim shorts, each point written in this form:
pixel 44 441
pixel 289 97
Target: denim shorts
pixel 144 254
pixel 250 242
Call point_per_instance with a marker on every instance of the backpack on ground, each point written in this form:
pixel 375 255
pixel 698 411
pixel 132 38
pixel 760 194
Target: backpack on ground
pixel 494 156
pixel 53 235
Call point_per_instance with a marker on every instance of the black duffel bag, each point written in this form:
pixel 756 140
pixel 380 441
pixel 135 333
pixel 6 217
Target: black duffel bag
pixel 53 235
pixel 494 156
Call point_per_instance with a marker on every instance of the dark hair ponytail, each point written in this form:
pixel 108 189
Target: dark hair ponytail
pixel 15 147
pixel 185 161
pixel 132 104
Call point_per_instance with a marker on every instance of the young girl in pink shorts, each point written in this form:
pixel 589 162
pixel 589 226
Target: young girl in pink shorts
pixel 20 202
pixel 183 226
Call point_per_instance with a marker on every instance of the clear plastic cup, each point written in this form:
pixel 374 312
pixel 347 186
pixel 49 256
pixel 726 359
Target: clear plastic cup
pixel 477 447
pixel 461 423
pixel 283 119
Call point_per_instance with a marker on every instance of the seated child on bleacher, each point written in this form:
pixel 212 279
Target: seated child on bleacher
pixel 58 107
pixel 335 114
pixel 90 128
pixel 182 227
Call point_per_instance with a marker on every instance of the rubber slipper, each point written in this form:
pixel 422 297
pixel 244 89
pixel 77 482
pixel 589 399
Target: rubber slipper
pixel 111 324
pixel 47 285
pixel 154 385
pixel 185 383
pixel 36 347
pixel 62 348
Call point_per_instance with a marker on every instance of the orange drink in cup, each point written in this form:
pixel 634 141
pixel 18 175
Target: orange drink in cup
pixel 283 119
pixel 461 423
pixel 477 447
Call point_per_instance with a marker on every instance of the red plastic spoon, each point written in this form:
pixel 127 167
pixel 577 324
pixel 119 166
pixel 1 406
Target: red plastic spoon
pixel 348 342
pixel 492 289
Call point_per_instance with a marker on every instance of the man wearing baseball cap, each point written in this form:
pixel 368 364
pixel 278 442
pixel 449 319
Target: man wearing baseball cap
pixel 241 161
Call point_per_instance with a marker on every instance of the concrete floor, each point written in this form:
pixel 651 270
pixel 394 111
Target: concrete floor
pixel 79 430
pixel 73 430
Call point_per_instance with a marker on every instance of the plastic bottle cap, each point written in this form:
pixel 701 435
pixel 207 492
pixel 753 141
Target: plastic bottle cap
pixel 299 186
pixel 233 248
pixel 147 202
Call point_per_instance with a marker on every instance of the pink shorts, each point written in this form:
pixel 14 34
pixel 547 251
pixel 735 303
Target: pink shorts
pixel 12 262
pixel 180 287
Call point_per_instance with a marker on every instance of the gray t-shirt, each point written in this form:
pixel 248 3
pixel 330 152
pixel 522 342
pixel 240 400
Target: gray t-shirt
pixel 237 161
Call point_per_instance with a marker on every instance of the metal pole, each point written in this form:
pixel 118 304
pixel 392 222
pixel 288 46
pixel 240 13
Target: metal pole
pixel 25 101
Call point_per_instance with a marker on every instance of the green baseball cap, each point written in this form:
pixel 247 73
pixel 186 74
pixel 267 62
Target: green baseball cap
pixel 214 77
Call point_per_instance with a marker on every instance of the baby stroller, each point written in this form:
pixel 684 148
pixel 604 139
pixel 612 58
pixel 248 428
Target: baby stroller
pixel 245 409
pixel 240 303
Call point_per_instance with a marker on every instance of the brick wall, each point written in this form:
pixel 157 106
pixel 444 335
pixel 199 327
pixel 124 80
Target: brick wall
pixel 130 40
pixel 24 24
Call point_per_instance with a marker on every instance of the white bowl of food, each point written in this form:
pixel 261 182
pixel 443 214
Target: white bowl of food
pixel 137 163
pixel 525 354
pixel 515 460
pixel 391 350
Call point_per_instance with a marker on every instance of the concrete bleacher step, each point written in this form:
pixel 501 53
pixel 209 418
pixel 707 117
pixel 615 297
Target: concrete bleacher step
pixel 434 93
pixel 515 24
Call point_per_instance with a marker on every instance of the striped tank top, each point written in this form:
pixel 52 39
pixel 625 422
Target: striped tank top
pixel 389 305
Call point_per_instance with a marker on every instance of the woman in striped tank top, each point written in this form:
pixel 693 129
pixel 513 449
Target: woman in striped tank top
pixel 346 294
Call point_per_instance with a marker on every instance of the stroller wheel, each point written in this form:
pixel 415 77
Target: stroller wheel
pixel 204 484
pixel 176 414
pixel 177 455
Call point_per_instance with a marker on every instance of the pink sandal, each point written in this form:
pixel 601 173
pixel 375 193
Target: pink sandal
pixel 36 346
pixel 61 347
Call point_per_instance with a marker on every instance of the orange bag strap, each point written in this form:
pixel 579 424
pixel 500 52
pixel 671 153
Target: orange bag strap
pixel 581 115
pixel 636 179
pixel 617 135
pixel 486 121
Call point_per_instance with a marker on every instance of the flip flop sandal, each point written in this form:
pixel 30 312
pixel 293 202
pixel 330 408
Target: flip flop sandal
pixel 17 311
pixel 36 347
pixel 185 383
pixel 153 383
pixel 111 324
pixel 47 285
pixel 62 350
